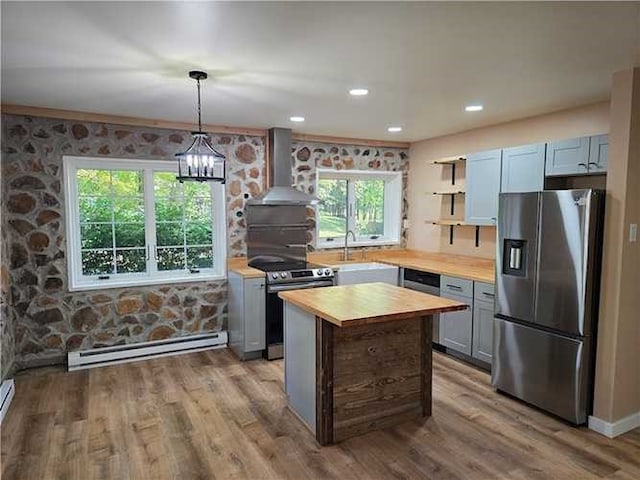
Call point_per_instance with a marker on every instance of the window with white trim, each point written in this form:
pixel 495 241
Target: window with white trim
pixel 130 222
pixel 368 203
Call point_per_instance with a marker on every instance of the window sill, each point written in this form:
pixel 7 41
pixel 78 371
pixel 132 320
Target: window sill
pixel 146 282
pixel 360 243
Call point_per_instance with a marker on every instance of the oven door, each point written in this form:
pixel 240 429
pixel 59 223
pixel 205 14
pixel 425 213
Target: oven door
pixel 275 314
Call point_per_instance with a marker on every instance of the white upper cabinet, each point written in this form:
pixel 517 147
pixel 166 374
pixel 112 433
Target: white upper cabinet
pixel 568 157
pixel 599 154
pixel 483 187
pixel 523 168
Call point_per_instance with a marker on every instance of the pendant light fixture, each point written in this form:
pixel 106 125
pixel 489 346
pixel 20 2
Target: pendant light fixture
pixel 200 162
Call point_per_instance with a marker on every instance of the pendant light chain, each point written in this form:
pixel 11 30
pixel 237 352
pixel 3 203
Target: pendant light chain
pixel 199 109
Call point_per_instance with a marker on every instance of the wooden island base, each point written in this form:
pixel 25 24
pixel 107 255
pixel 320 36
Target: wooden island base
pixel 371 376
pixel 358 357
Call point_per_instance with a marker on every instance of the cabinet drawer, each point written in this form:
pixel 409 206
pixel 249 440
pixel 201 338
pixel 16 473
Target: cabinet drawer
pixel 457 286
pixel 484 292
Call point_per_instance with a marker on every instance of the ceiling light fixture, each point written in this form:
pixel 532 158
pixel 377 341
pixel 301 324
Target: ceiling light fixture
pixel 296 119
pixel 473 108
pixel 394 129
pixel 358 92
pixel 200 162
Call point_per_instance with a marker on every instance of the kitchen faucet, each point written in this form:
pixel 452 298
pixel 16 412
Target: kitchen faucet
pixel 346 244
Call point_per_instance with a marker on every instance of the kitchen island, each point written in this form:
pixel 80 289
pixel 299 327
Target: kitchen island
pixel 358 357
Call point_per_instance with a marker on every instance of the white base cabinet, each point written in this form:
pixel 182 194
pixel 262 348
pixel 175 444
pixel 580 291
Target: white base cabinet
pixel 456 327
pixel 247 315
pixel 482 343
pixel 468 331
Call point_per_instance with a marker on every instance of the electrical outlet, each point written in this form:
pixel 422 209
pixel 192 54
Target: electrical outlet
pixel 633 232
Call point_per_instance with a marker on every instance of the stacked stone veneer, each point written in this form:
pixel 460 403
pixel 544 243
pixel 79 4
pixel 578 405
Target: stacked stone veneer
pixel 48 320
pixel 40 316
pixel 308 157
pixel 7 327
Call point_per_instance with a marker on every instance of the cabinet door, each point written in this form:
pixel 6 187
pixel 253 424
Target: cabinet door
pixel 482 331
pixel 456 327
pixel 567 157
pixel 599 154
pixel 254 314
pixel 483 187
pixel 523 168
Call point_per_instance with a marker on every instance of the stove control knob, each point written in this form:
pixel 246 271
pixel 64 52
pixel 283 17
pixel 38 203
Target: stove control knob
pixel 274 275
pixel 327 271
pixel 320 272
pixel 283 274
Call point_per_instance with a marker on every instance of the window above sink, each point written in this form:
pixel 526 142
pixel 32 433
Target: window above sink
pixel 368 203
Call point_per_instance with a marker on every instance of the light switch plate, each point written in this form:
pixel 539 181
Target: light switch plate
pixel 633 232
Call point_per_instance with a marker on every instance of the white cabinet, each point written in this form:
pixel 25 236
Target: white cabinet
pixel 523 168
pixel 468 331
pixel 247 318
pixel 568 157
pixel 598 154
pixel 483 186
pixel 456 327
pixel 578 156
pixel 482 343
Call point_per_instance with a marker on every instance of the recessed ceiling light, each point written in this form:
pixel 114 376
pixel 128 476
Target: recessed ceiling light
pixel 296 119
pixel 358 92
pixel 394 129
pixel 473 108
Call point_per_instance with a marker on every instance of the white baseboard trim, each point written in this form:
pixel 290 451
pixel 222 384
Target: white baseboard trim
pixel 616 428
pixel 100 357
pixel 7 391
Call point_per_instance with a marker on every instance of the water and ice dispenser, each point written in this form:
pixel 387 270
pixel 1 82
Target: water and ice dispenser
pixel 514 261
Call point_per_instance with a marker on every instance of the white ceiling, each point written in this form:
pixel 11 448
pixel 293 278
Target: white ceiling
pixel 422 62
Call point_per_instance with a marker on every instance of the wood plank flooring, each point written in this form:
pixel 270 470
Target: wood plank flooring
pixel 208 416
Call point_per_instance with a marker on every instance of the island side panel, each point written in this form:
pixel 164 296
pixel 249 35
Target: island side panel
pixel 426 334
pixel 300 363
pixel 324 381
pixel 379 376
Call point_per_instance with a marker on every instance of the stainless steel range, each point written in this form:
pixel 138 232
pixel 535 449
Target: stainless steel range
pixel 277 245
pixel 282 276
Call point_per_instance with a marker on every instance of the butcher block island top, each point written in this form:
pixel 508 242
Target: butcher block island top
pixel 358 357
pixel 367 303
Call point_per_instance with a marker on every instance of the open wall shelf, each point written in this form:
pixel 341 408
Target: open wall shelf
pixel 452 192
pixel 449 160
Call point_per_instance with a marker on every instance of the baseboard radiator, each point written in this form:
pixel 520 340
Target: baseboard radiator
pixel 99 357
pixel 7 391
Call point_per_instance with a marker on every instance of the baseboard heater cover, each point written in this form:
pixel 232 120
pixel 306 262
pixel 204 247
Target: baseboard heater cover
pixel 99 357
pixel 7 391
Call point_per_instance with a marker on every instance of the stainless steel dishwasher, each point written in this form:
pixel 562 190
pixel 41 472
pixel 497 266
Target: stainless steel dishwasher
pixel 428 283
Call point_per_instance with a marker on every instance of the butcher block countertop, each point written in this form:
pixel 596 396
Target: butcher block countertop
pixel 462 266
pixel 239 266
pixel 366 303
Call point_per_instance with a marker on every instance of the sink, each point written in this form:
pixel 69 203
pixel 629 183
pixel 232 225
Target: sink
pixel 350 267
pixel 366 272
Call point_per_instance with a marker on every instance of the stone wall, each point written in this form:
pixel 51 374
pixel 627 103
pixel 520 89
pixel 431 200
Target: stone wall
pixel 307 157
pixel 50 320
pixel 7 327
pixel 46 319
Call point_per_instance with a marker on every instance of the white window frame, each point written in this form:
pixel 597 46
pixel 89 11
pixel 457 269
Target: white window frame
pixel 392 207
pixel 78 281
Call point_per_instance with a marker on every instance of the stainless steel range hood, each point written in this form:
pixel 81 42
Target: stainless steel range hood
pixel 281 191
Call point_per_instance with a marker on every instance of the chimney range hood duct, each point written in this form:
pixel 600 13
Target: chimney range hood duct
pixel 281 191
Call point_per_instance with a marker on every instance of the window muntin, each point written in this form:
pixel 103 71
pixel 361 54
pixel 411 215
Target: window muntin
pixel 369 203
pixel 130 222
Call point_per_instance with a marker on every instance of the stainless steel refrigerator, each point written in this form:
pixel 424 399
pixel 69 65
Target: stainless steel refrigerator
pixel 547 289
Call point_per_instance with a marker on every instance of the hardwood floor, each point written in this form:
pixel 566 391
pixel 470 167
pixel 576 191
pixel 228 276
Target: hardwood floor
pixel 207 415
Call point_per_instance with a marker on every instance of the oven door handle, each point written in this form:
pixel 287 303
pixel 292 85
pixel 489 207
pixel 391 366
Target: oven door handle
pixel 298 286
